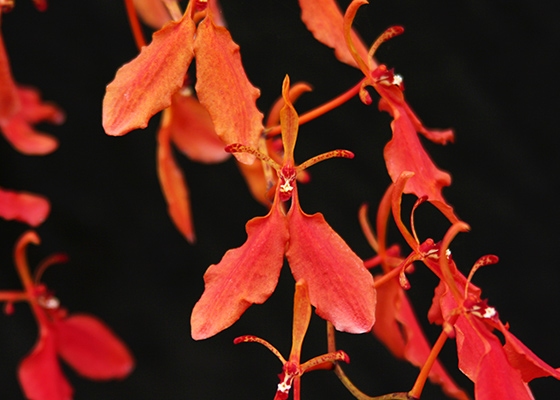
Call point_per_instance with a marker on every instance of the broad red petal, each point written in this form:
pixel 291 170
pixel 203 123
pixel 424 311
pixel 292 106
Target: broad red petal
pixel 145 85
pixel 173 184
pixel 92 348
pixel 245 275
pixel 192 130
pixel 27 140
pixel 218 66
pixel 325 21
pixel 39 373
pixel 340 287
pixel 22 206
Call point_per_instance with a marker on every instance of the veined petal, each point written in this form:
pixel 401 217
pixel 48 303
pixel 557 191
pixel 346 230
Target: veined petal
pixel 325 21
pixel 39 373
pixel 173 183
pixel 224 90
pixel 192 130
pixel 91 348
pixel 145 85
pixel 22 206
pixel 340 287
pixel 245 275
pixel 302 316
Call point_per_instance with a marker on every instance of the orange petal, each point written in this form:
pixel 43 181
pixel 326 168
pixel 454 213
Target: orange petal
pixel 324 19
pixel 173 184
pixel 145 85
pixel 340 287
pixel 289 123
pixel 152 12
pixel 224 90
pixel 25 207
pixel 91 348
pixel 302 316
pixel 245 275
pixel 192 130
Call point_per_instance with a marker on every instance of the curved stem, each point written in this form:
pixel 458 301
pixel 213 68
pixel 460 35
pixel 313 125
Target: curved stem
pixel 322 109
pixel 135 24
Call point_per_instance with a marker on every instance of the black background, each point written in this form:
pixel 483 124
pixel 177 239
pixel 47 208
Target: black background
pixel 485 68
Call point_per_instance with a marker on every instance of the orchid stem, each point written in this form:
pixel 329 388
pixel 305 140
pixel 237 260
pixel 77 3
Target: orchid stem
pixel 357 393
pixel 322 109
pixel 416 390
pixel 135 24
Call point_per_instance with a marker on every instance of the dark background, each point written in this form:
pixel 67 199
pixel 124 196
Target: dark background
pixel 485 68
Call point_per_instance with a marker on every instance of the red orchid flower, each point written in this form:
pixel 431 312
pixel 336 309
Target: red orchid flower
pixel 147 84
pixel 24 207
pixel 340 287
pixel 292 368
pixel 82 341
pixel 20 108
pixel 499 371
pixel 404 152
pixel 396 324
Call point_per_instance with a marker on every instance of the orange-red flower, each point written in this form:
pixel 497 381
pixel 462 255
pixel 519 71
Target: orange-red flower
pixel 83 341
pixel 404 152
pixel 498 370
pixel 292 369
pixel 340 287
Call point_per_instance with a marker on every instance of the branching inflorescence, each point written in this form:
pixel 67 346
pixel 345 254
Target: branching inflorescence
pixel 218 117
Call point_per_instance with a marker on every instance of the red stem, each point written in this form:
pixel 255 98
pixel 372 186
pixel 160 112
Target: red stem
pixel 322 109
pixel 135 24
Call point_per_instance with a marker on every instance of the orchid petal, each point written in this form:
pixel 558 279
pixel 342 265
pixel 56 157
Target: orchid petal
pixel 9 101
pixel 173 184
pixel 340 287
pixel 39 373
pixel 22 206
pixel 218 66
pixel 325 20
pixel 152 12
pixel 245 275
pixel 192 130
pixel 145 85
pixel 91 348
pixel 522 358
pixel 302 316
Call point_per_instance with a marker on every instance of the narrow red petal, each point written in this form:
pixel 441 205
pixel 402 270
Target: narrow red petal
pixel 9 102
pixel 173 185
pixel 91 348
pixel 27 140
pixel 527 362
pixel 245 275
pixel 218 66
pixel 192 130
pixel 302 316
pixel 405 152
pixel 145 85
pixel 39 373
pixel 25 207
pixel 325 21
pixel 340 287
